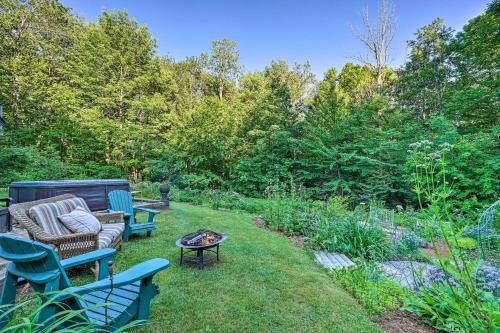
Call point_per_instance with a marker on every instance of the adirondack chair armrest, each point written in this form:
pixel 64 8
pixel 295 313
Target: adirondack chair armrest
pixel 88 258
pixel 151 213
pixel 147 210
pixel 136 273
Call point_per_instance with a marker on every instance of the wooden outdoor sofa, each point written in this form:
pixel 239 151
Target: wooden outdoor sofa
pixel 69 244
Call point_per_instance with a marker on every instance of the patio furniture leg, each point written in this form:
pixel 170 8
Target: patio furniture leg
pixel 217 252
pixel 182 255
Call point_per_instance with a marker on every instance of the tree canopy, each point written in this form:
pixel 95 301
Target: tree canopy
pixel 96 100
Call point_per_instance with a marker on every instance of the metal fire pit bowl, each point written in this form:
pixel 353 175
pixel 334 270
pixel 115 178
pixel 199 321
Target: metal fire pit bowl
pixel 200 241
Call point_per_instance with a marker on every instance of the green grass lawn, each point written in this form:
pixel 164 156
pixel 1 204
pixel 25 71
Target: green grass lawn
pixel 263 283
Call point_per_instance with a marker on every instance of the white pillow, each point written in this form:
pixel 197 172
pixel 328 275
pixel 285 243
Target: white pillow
pixel 80 221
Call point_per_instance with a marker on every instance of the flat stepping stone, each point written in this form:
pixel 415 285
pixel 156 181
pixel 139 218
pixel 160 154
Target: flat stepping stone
pixel 332 260
pixel 409 274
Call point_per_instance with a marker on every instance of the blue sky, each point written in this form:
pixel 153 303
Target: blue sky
pixel 277 29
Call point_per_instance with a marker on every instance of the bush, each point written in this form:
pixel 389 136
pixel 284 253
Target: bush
pixel 360 239
pixel 147 190
pixel 450 309
pixel 186 195
pixel 216 199
pixel 28 163
pixel 290 214
pixel 95 170
pixel 373 290
pixel 466 243
pixel 459 303
pixel 197 182
pixel 331 227
pixel 230 200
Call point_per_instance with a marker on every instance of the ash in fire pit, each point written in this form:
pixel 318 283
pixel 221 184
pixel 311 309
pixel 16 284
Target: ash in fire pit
pixel 201 238
pixel 200 241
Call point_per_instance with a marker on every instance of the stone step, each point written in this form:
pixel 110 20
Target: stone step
pixel 332 260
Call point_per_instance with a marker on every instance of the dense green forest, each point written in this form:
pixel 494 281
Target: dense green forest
pixel 95 100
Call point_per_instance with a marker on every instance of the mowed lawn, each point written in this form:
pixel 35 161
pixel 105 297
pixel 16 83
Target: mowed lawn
pixel 263 283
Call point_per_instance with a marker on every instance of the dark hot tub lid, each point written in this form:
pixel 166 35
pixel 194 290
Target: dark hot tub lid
pixel 56 183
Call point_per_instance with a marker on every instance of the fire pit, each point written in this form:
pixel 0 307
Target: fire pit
pixel 200 241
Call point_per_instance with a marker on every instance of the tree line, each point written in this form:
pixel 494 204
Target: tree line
pixel 95 100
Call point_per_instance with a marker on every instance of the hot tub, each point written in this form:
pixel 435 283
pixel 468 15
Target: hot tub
pixel 94 192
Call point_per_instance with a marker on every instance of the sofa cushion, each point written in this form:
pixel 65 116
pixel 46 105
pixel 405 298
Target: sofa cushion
pixel 45 215
pixel 109 233
pixel 70 205
pixel 80 221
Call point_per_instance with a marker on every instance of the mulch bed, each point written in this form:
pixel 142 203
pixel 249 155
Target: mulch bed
pixel 400 321
pixel 259 221
pixel 441 247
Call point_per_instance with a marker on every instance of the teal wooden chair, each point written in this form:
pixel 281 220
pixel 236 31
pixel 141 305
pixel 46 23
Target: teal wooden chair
pixel 121 201
pixel 40 266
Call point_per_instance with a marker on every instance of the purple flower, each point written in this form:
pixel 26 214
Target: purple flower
pixel 437 276
pixel 488 278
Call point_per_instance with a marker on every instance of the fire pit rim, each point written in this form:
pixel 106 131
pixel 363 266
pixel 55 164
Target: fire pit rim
pixel 222 235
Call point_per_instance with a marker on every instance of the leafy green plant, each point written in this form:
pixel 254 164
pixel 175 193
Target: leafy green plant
pixel 459 297
pixel 27 163
pixel 374 291
pixel 466 243
pixel 360 239
pixel 450 309
pixel 22 317
pixel 147 190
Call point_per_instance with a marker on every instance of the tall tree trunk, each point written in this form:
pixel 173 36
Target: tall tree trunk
pixel 221 90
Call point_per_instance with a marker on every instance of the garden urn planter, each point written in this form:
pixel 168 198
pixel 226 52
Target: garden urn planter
pixel 165 193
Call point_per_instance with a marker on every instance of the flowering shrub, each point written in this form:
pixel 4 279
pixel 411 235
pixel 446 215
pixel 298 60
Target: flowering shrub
pixel 454 301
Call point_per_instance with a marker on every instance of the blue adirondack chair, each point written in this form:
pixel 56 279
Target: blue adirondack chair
pixel 39 264
pixel 120 200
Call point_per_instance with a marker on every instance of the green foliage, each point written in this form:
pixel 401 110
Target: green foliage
pixel 451 310
pixel 22 317
pixel 25 163
pixel 330 227
pixel 466 243
pixel 217 199
pixel 97 98
pixel 459 304
pixel 163 167
pixel 360 239
pixel 147 190
pixel 373 290
pixel 223 63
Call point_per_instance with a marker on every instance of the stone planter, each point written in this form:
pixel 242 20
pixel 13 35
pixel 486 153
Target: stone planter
pixel 165 193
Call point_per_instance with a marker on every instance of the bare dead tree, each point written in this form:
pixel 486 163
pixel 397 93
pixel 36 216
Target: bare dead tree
pixel 377 37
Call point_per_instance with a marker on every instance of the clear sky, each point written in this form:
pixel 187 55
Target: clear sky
pixel 292 30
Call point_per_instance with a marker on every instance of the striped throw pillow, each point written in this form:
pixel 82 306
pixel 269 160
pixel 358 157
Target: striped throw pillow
pixel 45 215
pixel 70 205
pixel 80 221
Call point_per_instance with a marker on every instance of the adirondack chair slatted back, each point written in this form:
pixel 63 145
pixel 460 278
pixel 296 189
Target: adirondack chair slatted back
pixel 120 200
pixel 33 261
pixel 39 264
